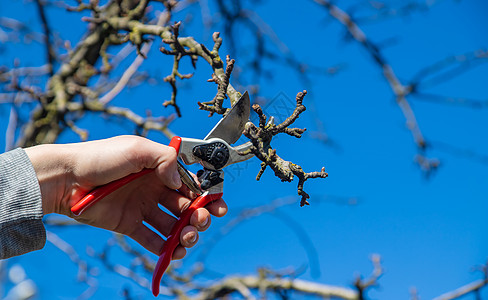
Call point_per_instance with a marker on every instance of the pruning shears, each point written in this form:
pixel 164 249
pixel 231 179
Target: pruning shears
pixel 213 153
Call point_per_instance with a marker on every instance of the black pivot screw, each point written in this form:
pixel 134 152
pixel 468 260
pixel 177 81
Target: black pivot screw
pixel 215 153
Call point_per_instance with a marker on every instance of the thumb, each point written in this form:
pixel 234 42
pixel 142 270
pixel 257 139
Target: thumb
pixel 167 168
pixel 145 153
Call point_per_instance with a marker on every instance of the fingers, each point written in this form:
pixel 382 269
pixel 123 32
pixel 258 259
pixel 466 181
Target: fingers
pixel 184 190
pixel 147 238
pixel 160 220
pixel 163 222
pixel 154 243
pixel 189 236
pixel 200 219
pixel 176 203
pixel 217 208
pixel 179 252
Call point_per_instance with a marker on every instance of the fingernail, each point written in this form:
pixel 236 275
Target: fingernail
pixel 222 211
pixel 204 223
pixel 192 238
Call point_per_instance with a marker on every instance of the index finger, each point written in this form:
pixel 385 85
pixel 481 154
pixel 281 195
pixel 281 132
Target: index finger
pixel 176 203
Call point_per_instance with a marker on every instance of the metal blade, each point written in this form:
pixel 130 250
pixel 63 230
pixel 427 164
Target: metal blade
pixel 231 126
pixel 188 180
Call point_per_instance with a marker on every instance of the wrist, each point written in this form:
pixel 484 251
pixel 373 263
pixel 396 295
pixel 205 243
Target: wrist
pixel 52 166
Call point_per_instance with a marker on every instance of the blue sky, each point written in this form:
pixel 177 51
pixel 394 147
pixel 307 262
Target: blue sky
pixel 429 232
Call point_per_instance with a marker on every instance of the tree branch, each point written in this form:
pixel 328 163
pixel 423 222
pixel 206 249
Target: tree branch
pixel 261 139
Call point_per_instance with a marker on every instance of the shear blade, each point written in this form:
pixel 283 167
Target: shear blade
pixel 231 126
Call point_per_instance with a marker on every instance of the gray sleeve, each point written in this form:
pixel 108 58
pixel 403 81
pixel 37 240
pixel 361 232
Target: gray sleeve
pixel 21 227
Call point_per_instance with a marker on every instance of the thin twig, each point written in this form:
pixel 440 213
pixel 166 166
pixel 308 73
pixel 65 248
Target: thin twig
pixel 50 53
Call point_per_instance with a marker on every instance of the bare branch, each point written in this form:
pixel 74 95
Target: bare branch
pixel 215 105
pixel 401 91
pixel 362 285
pixel 473 287
pixel 231 284
pixel 83 268
pixel 261 139
pixel 50 53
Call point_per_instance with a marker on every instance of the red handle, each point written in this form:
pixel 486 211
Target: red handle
pixel 174 238
pixel 102 191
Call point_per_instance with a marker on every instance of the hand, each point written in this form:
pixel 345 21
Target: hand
pixel 68 172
